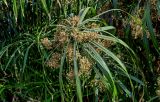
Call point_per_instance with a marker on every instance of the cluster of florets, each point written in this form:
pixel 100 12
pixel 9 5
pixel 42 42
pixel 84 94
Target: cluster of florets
pixel 66 33
pixel 137 29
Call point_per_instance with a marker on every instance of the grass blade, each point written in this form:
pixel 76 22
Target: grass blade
pixel 124 88
pixel 113 56
pixel 15 9
pixel 5 2
pixel 91 51
pixel 45 8
pixel 22 3
pixel 60 75
pixel 78 84
pixel 82 14
pixel 101 29
pixel 114 39
pixel 150 28
pixel 25 58
pixel 11 57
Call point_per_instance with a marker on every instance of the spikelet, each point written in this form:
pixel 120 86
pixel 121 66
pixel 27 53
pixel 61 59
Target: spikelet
pixel 46 43
pixel 98 83
pixel 107 43
pixel 153 2
pixel 104 43
pixel 76 35
pixel 70 53
pixel 54 61
pixel 136 27
pixel 70 75
pixel 88 36
pixel 83 36
pixel 61 37
pixel 85 66
pixel 74 20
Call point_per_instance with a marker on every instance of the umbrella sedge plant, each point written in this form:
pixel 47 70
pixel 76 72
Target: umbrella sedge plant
pixel 82 45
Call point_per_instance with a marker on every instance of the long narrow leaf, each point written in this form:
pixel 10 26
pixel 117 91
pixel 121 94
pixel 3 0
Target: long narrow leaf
pixel 25 58
pixel 45 8
pixel 22 3
pixel 124 88
pixel 15 9
pixel 114 39
pixel 100 29
pixel 78 84
pixel 91 51
pixel 83 14
pixel 60 75
pixel 109 53
pixel 11 57
pixel 150 28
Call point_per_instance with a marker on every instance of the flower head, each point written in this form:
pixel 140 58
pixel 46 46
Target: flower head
pixel 54 61
pixel 46 43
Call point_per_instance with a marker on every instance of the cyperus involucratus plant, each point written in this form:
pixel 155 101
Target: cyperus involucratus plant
pixel 82 44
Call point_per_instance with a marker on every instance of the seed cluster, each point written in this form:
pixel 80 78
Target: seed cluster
pixel 99 83
pixel 70 30
pixel 70 75
pixel 74 21
pixel 85 66
pixel 54 61
pixel 84 63
pixel 153 2
pixel 83 36
pixel 70 53
pixel 61 37
pixel 105 43
pixel 46 43
pixel 84 70
pixel 137 30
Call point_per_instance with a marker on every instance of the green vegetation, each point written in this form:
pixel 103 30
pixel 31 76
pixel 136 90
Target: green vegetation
pixel 79 50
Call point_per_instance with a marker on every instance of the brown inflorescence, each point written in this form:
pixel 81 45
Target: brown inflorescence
pixel 74 20
pixel 140 12
pixel 104 43
pixel 137 29
pixel 76 34
pixel 85 66
pixel 99 83
pixel 54 61
pixel 107 43
pixel 154 10
pixel 66 31
pixel 70 75
pixel 83 36
pixel 61 37
pixel 153 2
pixel 70 53
pixel 46 43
